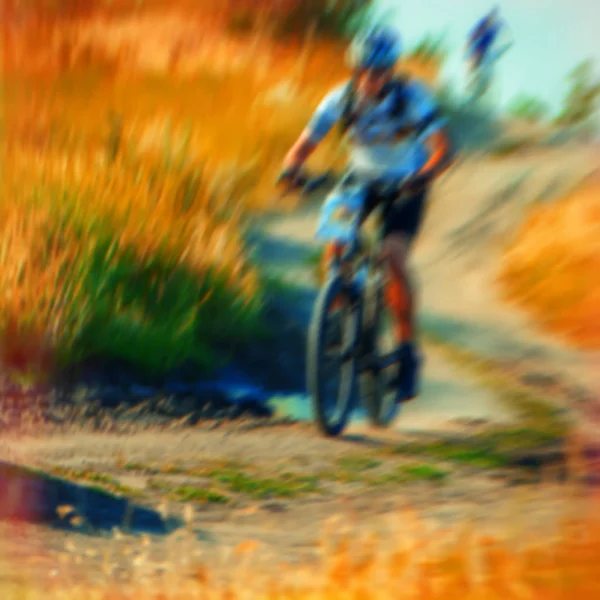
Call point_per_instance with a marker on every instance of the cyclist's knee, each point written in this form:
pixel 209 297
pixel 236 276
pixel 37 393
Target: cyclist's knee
pixel 395 248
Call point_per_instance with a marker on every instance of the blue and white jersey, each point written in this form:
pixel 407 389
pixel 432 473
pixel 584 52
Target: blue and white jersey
pixel 374 151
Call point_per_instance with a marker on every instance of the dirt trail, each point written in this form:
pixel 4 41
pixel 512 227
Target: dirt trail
pixel 356 474
pixel 473 211
pixel 357 477
pixel 447 398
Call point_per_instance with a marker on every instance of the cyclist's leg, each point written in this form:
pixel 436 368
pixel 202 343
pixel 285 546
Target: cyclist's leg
pixel 399 292
pixel 401 225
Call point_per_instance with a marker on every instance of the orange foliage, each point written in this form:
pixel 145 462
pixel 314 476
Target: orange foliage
pixel 152 82
pixel 552 267
pixel 415 564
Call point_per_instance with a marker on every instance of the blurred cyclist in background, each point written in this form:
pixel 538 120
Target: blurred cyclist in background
pixel 483 38
pixel 395 130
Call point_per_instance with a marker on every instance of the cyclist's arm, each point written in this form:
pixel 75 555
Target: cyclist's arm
pixel 425 111
pixel 325 117
pixel 441 154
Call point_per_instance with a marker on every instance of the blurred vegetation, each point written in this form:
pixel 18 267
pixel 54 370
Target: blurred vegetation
pixel 551 266
pixel 336 19
pixel 125 200
pixel 583 98
pixel 430 48
pixel 529 108
pixel 327 18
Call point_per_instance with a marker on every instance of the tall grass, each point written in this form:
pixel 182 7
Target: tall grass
pixel 552 266
pixel 128 180
pixel 414 559
pixel 120 260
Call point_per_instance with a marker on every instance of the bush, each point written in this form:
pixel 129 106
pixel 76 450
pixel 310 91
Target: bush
pixel 330 18
pixel 551 266
pixel 101 273
pixel 528 108
pixel 583 98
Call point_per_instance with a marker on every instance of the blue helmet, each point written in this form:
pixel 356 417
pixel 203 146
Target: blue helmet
pixel 380 48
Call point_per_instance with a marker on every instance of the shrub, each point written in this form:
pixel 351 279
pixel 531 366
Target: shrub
pixel 583 98
pixel 528 108
pixel 91 262
pixel 329 18
pixel 551 266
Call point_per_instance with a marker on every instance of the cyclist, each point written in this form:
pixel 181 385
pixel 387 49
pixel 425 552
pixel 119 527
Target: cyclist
pixel 483 36
pixel 395 129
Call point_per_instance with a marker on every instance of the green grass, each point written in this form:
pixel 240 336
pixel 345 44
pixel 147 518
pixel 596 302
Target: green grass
pixel 411 473
pixel 235 476
pixel 541 424
pixel 473 454
pixel 148 311
pixel 357 463
pixel 188 493
pixel 160 485
pixel 135 466
pixel 285 485
pixel 362 469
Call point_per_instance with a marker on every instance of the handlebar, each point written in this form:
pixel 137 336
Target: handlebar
pixel 308 183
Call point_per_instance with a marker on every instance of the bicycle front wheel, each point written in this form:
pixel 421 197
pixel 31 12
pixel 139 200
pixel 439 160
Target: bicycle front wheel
pixel 331 367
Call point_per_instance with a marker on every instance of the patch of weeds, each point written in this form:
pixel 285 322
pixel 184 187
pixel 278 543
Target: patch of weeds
pixel 105 481
pixel 286 485
pixel 357 463
pixel 350 469
pixel 134 466
pixel 82 475
pixel 125 490
pixel 186 493
pixel 511 440
pixel 171 469
pixel 474 454
pixel 210 467
pixel 413 472
pixel 159 484
pixel 232 475
pixel 541 422
pixel 492 449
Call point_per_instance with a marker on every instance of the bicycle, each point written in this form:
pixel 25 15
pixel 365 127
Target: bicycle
pixel 348 317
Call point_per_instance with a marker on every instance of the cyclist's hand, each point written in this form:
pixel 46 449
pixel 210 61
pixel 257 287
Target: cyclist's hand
pixel 289 178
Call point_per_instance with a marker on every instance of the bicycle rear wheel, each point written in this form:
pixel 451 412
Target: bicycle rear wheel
pixel 331 377
pixel 377 397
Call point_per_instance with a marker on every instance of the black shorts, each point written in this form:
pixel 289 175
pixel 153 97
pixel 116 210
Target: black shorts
pixel 404 216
